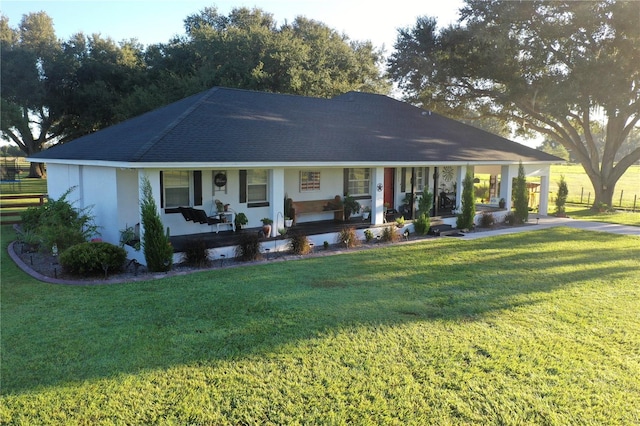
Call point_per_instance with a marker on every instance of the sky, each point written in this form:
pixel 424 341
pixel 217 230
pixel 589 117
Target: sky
pixel 157 21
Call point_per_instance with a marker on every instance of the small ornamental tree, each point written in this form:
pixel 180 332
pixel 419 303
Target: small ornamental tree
pixel 561 197
pixel 465 219
pixel 157 249
pixel 423 221
pixel 520 196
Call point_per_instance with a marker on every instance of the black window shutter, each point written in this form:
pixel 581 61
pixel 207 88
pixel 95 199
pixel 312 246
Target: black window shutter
pixel 197 187
pixel 161 190
pixel 243 186
pixel 403 180
pixel 346 182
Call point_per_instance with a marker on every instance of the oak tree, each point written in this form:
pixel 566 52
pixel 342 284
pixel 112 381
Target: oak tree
pixel 559 69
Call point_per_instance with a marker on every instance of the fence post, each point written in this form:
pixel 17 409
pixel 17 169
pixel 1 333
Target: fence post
pixel 581 194
pixel 589 198
pixel 621 192
pixel 635 196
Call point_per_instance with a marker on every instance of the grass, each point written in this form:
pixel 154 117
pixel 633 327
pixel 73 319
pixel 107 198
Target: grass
pixel 621 218
pixel 26 186
pixel 534 328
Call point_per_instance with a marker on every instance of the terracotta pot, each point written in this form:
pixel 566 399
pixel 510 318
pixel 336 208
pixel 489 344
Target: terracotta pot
pixel 266 230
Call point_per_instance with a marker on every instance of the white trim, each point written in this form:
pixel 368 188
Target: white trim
pixel 266 165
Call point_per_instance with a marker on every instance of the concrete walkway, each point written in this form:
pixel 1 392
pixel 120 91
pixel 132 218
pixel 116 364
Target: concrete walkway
pixel 545 222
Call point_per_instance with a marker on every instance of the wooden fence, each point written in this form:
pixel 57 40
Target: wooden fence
pixel 12 206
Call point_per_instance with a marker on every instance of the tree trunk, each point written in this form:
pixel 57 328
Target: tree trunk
pixel 603 193
pixel 37 170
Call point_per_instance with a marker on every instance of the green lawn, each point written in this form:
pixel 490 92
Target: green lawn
pixel 621 218
pixel 533 328
pixel 25 186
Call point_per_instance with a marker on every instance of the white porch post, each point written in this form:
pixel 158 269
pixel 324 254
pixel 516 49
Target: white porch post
pixel 377 196
pixel 506 184
pixel 276 197
pixel 544 191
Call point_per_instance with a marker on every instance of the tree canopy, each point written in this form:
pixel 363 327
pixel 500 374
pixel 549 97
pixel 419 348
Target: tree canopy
pixel 56 90
pixel 567 70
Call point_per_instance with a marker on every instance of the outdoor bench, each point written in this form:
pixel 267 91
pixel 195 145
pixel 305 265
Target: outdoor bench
pixel 318 206
pixel 200 216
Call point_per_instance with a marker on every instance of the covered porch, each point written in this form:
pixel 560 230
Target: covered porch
pixel 222 244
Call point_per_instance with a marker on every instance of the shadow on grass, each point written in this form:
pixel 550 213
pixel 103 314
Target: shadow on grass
pixel 54 335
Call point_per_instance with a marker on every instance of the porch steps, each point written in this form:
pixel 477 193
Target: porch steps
pixel 442 230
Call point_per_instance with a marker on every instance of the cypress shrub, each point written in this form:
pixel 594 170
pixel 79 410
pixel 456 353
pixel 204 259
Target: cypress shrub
pixel 465 219
pixel 520 197
pixel 157 249
pixel 561 197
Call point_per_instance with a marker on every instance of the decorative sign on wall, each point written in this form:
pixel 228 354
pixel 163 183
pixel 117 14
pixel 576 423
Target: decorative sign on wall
pixel 219 181
pixel 447 173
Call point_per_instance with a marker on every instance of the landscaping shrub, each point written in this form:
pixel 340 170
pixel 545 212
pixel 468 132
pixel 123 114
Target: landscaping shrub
pixel 465 219
pixel 348 237
pixel 299 244
pixel 511 219
pixel 368 235
pixel 196 254
pixel 422 224
pixel 58 223
pixel 158 251
pixel 521 196
pixel 561 197
pixel 487 220
pixel 249 247
pixel 389 234
pixel 425 203
pixel 93 258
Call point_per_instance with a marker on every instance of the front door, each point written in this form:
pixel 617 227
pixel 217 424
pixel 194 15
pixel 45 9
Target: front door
pixel 389 188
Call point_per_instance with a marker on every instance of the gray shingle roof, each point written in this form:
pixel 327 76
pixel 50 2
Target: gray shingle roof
pixel 238 126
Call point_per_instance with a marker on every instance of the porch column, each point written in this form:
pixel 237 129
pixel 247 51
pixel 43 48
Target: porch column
pixel 276 198
pixel 377 196
pixel 543 208
pixel 506 183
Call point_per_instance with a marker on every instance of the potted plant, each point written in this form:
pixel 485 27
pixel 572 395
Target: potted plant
pixel 241 220
pixel 129 237
pixel 266 226
pixel 366 212
pixel 219 206
pixel 502 203
pixel 351 206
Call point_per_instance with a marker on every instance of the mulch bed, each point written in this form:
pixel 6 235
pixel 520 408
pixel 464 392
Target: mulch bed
pixel 45 266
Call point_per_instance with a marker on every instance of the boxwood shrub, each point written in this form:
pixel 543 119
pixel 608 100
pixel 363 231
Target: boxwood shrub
pixel 93 258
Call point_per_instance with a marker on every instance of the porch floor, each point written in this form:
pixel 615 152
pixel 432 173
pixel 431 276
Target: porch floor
pixel 230 238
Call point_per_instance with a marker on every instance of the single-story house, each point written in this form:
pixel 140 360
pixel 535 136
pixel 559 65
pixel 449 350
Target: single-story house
pixel 250 149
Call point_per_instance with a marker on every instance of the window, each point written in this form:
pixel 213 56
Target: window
pixel 359 181
pixel 176 188
pixel 257 181
pixel 421 178
pixel 309 181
